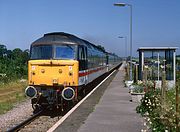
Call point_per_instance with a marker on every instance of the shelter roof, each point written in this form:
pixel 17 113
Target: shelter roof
pixel 156 48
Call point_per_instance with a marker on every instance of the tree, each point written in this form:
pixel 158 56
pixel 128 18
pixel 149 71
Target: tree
pixel 13 63
pixel 3 50
pixel 101 47
pixel 9 54
pixel 25 56
pixel 16 53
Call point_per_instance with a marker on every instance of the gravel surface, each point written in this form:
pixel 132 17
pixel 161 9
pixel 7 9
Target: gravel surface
pixel 41 124
pixel 19 113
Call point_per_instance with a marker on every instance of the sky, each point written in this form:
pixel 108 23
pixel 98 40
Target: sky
pixel 154 22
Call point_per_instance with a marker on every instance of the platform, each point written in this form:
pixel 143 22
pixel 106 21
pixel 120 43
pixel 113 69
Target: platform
pixel 114 112
pixel 108 109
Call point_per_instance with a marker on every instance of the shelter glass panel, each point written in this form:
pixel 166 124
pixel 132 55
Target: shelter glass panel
pixel 169 64
pixel 155 62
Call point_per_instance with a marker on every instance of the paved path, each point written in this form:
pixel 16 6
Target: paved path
pixel 115 112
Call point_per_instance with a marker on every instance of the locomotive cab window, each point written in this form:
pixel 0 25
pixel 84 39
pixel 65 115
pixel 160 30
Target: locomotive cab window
pixel 64 52
pixel 53 52
pixel 41 52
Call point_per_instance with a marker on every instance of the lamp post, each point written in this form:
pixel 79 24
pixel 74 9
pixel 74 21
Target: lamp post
pixel 125 45
pixel 122 5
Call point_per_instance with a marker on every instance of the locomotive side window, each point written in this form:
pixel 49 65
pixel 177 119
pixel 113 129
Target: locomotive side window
pixel 82 57
pixel 42 52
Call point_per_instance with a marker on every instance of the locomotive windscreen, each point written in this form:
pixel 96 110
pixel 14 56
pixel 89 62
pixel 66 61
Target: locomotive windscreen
pixel 64 52
pixel 53 52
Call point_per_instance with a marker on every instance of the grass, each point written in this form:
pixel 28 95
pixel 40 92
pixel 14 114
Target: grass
pixel 11 94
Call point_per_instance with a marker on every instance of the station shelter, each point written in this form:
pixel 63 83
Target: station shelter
pixel 158 59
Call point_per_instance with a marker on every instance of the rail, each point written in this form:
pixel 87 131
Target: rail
pixel 26 122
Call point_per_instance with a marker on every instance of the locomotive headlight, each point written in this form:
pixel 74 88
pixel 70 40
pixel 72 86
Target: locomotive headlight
pixel 33 73
pixel 42 71
pixel 70 73
pixel 55 81
pixel 31 91
pixel 60 71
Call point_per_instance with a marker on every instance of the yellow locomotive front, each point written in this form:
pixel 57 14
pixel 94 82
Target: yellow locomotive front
pixel 53 70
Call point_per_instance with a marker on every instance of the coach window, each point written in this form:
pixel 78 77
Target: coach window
pixel 90 58
pixel 82 58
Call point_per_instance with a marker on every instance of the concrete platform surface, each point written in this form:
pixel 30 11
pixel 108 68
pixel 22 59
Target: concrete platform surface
pixel 114 112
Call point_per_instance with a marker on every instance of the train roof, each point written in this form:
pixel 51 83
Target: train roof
pixel 58 38
pixel 63 38
pixel 92 46
pixel 66 38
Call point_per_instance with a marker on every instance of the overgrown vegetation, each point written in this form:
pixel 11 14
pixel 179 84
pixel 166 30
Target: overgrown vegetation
pixel 13 68
pixel 159 110
pixel 10 94
pixel 158 106
pixel 13 64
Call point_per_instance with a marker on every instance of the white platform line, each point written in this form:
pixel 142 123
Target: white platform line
pixel 76 106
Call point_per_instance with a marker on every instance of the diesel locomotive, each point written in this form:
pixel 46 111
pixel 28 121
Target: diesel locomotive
pixel 61 65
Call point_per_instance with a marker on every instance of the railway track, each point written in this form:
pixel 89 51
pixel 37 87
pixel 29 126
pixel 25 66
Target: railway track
pixel 43 120
pixel 26 122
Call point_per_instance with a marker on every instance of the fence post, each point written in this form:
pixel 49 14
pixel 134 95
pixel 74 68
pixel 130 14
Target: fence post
pixel 177 105
pixel 135 73
pixel 145 78
pixel 163 89
pixel 127 71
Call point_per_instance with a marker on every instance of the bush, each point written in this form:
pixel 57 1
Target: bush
pixel 13 64
pixel 160 114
